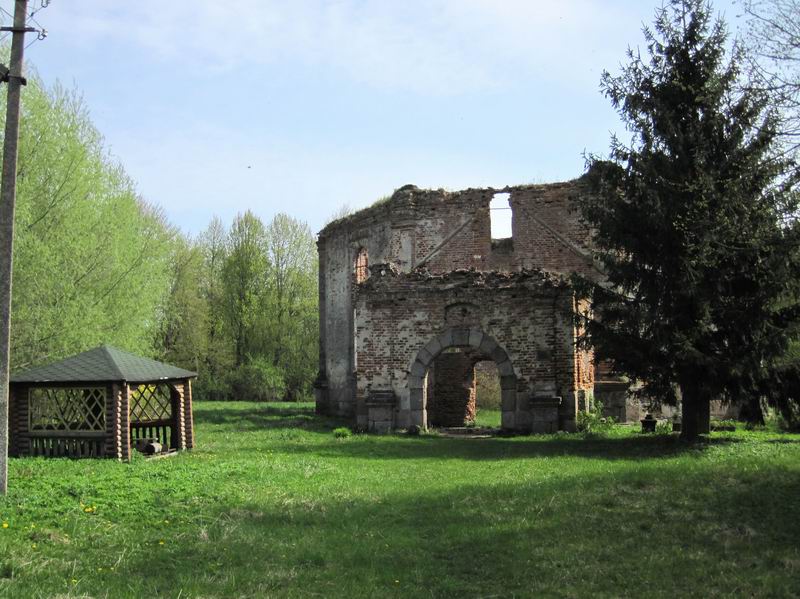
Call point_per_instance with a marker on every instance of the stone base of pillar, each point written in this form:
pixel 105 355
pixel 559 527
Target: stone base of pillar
pixel 380 411
pixel 544 414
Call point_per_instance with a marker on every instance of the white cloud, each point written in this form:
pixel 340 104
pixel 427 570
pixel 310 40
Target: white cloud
pixel 434 46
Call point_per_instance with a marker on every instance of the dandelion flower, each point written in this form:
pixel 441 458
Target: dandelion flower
pixel 5 524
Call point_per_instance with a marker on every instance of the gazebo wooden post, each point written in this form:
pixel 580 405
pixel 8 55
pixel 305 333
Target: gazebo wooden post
pixel 178 440
pixel 13 422
pixel 125 422
pixel 20 441
pixel 187 410
pixel 113 444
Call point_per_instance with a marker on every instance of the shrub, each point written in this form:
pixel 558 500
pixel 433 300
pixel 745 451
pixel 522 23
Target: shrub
pixel 342 432
pixel 208 388
pixel 258 380
pixel 593 421
pixel 776 421
pixel 664 428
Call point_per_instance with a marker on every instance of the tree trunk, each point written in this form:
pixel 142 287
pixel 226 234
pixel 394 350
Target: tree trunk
pixel 239 345
pixel 703 414
pixel 751 411
pixel 696 410
pixel 690 405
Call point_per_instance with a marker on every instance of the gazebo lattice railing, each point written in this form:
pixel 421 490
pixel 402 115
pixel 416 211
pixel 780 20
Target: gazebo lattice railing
pixel 66 421
pixel 152 408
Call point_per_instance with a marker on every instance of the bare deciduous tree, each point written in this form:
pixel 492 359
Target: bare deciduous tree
pixel 773 42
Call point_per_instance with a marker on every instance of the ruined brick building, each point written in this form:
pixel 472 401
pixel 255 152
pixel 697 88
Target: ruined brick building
pixel 414 292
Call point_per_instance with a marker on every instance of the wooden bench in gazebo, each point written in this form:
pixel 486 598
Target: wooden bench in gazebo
pixel 97 404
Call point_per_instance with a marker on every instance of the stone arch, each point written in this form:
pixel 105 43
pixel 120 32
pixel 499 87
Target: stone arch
pixel 462 337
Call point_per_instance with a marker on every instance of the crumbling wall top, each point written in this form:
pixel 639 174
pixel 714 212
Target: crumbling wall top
pixel 387 278
pixel 406 202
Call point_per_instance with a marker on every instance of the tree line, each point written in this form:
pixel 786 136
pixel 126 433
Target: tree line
pixel 242 309
pixel 95 263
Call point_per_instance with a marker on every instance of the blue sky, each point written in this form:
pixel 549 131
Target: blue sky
pixel 214 107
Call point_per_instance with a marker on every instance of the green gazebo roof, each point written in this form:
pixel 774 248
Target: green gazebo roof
pixel 102 364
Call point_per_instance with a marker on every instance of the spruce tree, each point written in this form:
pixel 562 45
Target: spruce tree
pixel 693 223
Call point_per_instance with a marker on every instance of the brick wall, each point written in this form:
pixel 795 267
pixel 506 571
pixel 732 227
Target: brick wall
pixel 528 313
pixel 547 230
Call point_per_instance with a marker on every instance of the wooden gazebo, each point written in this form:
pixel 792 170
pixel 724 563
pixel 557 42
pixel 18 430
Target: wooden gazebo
pixel 97 403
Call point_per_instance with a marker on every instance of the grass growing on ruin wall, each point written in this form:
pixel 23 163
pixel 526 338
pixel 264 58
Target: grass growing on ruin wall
pixel 271 503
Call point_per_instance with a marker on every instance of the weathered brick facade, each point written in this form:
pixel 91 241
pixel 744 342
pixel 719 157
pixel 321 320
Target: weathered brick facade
pixel 439 281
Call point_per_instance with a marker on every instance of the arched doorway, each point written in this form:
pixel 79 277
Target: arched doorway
pixel 480 344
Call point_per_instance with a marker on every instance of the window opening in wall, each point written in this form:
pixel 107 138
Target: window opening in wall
pixel 500 215
pixel 362 266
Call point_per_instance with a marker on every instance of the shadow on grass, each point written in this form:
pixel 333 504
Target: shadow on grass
pixel 644 447
pixel 252 417
pixel 784 441
pixel 569 537
pixel 212 411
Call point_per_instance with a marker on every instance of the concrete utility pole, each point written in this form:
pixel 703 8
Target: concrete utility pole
pixel 8 195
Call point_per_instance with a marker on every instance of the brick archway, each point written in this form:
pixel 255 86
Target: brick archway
pixel 462 337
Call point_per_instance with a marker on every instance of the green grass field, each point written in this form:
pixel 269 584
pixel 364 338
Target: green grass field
pixel 270 503
pixel 487 418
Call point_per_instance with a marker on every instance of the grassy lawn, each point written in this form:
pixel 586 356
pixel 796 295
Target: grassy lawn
pixel 271 504
pixel 488 418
